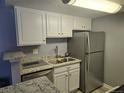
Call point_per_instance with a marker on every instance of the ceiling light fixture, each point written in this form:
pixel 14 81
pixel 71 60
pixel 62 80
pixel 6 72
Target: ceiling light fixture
pixel 99 5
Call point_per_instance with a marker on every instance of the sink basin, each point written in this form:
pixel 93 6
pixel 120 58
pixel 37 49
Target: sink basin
pixel 61 60
pixel 33 64
pixel 67 59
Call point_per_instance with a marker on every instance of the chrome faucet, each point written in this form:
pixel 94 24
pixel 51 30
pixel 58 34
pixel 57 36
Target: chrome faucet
pixel 57 51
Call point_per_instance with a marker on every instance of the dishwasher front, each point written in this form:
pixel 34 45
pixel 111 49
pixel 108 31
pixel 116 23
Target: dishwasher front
pixel 48 73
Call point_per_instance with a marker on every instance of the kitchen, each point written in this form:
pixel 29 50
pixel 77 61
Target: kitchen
pixel 100 22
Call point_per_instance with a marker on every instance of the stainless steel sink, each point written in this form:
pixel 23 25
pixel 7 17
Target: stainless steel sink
pixel 67 59
pixel 61 60
pixel 33 64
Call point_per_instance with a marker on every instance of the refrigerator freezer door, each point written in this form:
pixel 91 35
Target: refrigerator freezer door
pixel 96 40
pixel 94 71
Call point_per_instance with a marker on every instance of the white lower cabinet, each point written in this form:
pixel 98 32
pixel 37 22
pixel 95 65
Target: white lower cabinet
pixel 66 78
pixel 61 82
pixel 74 79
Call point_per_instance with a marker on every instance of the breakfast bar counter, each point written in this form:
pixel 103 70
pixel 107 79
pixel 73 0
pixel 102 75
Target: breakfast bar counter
pixel 37 85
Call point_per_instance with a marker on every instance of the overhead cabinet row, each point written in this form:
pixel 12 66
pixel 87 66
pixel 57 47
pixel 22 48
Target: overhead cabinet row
pixel 59 25
pixel 34 26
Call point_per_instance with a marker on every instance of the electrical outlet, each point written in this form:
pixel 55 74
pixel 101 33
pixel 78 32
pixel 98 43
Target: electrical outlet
pixel 35 51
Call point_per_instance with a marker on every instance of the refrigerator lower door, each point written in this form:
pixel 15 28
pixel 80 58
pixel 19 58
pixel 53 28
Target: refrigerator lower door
pixel 94 75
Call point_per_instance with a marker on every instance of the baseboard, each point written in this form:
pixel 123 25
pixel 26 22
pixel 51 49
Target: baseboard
pixel 107 86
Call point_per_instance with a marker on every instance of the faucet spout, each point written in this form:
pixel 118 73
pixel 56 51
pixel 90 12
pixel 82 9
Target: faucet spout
pixel 57 51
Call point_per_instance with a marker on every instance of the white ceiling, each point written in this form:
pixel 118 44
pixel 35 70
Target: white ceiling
pixel 59 7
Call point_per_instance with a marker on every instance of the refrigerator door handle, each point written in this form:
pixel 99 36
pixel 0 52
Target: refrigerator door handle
pixel 88 56
pixel 87 62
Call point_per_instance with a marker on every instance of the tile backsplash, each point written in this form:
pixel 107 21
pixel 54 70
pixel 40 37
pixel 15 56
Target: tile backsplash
pixel 49 48
pixel 45 50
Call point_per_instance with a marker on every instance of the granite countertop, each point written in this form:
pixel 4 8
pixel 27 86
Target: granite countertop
pixel 22 58
pixel 49 66
pixel 37 85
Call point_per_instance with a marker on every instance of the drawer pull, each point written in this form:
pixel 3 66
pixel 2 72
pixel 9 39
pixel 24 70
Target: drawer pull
pixel 66 75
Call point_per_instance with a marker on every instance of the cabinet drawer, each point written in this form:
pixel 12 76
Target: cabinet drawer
pixel 66 68
pixel 60 69
pixel 74 66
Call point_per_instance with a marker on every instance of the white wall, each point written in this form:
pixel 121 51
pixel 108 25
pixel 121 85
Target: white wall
pixel 113 25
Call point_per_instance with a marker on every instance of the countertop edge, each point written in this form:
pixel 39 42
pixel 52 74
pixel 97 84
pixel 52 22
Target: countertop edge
pixel 49 66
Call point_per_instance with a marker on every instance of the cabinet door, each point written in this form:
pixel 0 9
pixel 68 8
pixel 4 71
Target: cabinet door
pixel 61 82
pixel 74 79
pixel 67 25
pixel 87 23
pixel 53 25
pixel 81 23
pixel 31 26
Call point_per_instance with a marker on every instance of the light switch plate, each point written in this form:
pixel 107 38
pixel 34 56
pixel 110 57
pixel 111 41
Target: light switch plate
pixel 35 51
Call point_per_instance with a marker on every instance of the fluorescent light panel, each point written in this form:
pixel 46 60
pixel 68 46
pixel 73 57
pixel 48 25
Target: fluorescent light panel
pixel 99 5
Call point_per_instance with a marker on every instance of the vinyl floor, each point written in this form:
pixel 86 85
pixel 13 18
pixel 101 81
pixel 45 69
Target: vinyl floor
pixel 100 90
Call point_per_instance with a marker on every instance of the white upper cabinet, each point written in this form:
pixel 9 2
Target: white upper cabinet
pixel 53 25
pixel 67 25
pixel 59 25
pixel 81 23
pixel 31 26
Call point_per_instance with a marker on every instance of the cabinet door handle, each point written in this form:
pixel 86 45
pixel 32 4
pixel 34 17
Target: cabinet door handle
pixel 66 75
pixel 44 40
pixel 62 33
pixel 59 33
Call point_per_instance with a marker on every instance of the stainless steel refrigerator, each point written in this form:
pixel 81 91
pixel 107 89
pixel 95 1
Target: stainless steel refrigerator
pixel 89 47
